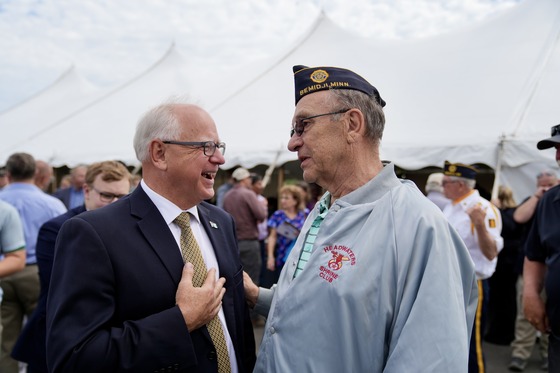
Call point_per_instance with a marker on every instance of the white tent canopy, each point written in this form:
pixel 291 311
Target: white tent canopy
pixel 462 96
pixel 103 127
pixel 35 115
pixel 483 94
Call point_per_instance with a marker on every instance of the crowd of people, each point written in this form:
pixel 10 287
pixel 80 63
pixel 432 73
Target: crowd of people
pixel 352 269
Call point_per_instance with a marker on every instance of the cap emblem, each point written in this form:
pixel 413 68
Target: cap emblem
pixel 319 76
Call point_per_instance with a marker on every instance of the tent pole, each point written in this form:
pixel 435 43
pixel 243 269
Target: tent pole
pixel 270 169
pixel 498 169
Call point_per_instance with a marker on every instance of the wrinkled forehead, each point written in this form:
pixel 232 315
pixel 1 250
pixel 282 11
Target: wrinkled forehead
pixel 311 103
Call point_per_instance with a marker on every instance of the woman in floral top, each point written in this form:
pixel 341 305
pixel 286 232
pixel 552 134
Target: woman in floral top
pixel 284 226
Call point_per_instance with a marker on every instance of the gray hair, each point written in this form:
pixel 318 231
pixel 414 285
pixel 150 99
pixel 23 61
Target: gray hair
pixel 373 112
pixel 547 172
pixel 433 184
pixel 158 123
pixel 468 182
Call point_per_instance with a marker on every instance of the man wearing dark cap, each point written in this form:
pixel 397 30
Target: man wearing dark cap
pixel 479 224
pixel 542 250
pixel 377 280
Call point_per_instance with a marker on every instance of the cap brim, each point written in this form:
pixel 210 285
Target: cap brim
pixel 548 143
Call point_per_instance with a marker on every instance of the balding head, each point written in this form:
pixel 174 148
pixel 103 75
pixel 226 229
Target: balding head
pixel 43 174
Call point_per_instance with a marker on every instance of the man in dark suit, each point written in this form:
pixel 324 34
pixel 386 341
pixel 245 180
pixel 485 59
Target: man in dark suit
pixel 121 298
pixel 73 196
pixel 105 182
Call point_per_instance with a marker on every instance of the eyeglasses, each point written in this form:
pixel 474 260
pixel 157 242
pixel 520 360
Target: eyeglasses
pixel 209 147
pixel 108 197
pixel 299 125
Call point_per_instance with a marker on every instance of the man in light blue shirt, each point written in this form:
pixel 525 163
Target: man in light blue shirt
pixel 21 289
pixel 12 244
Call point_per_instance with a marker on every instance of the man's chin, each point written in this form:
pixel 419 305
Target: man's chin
pixel 309 177
pixel 208 194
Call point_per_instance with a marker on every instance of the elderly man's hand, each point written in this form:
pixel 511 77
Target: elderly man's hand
pixel 477 215
pixel 251 290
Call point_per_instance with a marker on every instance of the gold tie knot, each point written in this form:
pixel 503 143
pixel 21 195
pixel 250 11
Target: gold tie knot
pixel 183 220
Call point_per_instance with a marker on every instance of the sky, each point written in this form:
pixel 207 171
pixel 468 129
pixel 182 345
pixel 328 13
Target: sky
pixel 112 41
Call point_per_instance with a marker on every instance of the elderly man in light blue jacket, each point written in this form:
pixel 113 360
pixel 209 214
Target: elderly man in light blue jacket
pixel 378 281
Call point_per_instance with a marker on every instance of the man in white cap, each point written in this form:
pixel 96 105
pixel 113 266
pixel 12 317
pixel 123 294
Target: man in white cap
pixel 434 190
pixel 242 203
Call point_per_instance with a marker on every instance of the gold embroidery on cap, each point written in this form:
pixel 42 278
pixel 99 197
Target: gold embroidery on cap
pixel 319 76
pixel 452 168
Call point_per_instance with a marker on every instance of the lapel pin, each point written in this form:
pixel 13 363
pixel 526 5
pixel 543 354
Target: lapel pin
pixel 213 225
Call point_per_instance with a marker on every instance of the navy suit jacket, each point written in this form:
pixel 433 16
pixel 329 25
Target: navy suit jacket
pixel 30 346
pixel 111 304
pixel 63 195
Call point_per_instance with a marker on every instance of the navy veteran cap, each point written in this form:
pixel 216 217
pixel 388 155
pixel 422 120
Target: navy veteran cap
pixel 551 141
pixel 459 169
pixel 313 79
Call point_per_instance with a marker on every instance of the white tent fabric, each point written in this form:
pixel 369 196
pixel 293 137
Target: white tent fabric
pixel 484 94
pixel 103 127
pixel 462 96
pixel 33 116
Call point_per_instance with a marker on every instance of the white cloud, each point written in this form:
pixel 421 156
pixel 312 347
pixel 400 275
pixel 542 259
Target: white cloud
pixel 112 41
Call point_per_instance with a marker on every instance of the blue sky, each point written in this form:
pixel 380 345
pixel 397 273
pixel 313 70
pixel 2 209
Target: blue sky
pixel 111 41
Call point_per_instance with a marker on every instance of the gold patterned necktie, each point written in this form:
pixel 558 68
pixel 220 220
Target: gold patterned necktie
pixel 192 254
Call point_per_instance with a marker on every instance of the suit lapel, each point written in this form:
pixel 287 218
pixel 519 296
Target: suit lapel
pixel 213 230
pixel 157 233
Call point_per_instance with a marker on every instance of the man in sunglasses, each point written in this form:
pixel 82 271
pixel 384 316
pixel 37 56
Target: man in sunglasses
pixel 541 269
pixel 105 183
pixel 377 279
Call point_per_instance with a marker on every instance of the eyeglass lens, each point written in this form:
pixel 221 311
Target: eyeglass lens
pixel 210 148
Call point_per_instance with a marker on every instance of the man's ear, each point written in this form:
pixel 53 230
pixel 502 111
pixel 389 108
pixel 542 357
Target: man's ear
pixel 86 190
pixel 158 154
pixel 356 125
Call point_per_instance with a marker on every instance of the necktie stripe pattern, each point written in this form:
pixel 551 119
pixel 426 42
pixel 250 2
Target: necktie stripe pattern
pixel 310 238
pixel 192 254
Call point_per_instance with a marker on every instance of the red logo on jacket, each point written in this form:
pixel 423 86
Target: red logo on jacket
pixel 339 256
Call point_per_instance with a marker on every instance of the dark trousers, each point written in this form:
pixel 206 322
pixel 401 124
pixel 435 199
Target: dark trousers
pixel 250 254
pixel 553 353
pixel 476 357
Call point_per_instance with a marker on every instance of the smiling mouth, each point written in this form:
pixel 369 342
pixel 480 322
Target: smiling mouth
pixel 208 175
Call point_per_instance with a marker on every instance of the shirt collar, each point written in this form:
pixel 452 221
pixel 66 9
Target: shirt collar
pixel 167 209
pixel 374 189
pixel 21 186
pixel 460 199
